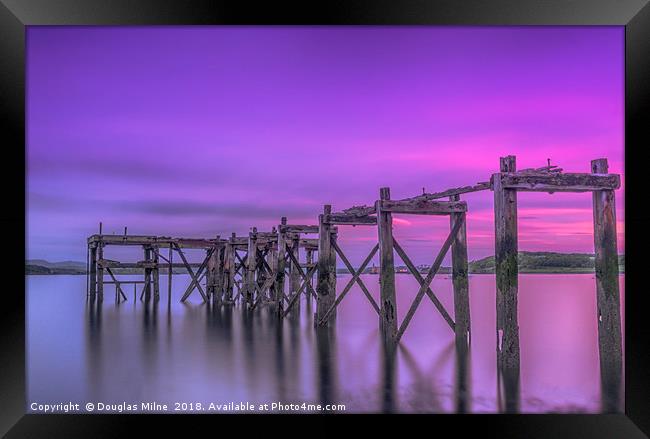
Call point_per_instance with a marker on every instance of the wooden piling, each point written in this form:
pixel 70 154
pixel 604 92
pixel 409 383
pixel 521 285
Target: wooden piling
pixel 147 273
pixel 100 270
pixel 169 277
pixel 93 271
pixel 462 327
pixel 325 290
pixel 459 266
pixel 310 260
pixel 229 267
pixel 279 278
pixel 155 273
pixel 294 273
pixel 251 262
pixel 506 248
pixel 388 318
pixel 607 293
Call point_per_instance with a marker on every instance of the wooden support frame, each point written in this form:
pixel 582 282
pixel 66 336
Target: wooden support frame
pixel 456 209
pixel 505 185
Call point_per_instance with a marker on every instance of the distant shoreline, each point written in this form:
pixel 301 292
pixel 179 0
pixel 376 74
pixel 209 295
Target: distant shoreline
pixel 529 263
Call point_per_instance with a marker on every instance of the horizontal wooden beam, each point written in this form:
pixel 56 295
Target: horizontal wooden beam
pixel 350 220
pixel 420 206
pixel 298 228
pixel 564 182
pixel 160 241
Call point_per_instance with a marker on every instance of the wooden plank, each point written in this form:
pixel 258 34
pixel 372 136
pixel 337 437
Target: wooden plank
pixel 565 182
pixel 388 320
pixel 482 186
pixel 419 206
pixel 92 278
pixel 170 273
pixel 607 294
pixel 352 220
pixel 506 248
pixel 299 228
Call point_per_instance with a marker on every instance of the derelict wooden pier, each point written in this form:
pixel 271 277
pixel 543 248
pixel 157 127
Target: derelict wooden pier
pixel 276 268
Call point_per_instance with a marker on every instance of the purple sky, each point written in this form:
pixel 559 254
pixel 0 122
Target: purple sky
pixel 207 130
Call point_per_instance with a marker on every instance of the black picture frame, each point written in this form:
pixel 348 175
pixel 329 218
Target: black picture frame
pixel 15 15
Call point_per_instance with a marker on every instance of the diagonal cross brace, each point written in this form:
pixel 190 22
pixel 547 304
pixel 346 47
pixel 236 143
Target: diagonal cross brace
pixel 420 280
pixel 294 298
pixel 427 281
pixel 195 276
pixel 355 278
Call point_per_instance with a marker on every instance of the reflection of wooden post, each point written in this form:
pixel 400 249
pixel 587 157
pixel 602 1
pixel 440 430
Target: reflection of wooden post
pixel 93 271
pixel 607 293
pixel 388 318
pixel 505 219
pixel 324 292
pixel 279 278
pixel 295 273
pixel 251 262
pixel 459 267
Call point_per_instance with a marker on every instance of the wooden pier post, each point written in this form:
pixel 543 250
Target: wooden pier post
pixel 92 272
pixel 219 271
pixel 279 278
pixel 388 318
pixel 229 268
pixel 169 277
pixel 607 293
pixel 155 272
pixel 310 279
pixel 210 272
pixel 507 271
pixel 324 287
pixel 147 273
pixel 462 327
pixel 251 262
pixel 295 273
pixel 100 270
pixel 459 266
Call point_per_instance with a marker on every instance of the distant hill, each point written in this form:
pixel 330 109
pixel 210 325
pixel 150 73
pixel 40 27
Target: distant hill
pixel 546 262
pixel 41 266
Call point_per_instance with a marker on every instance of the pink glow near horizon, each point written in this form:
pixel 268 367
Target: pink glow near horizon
pixel 155 128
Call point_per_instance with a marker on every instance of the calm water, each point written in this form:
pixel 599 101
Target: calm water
pixel 194 353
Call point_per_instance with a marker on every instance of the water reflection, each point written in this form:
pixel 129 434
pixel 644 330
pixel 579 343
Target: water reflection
pixel 168 351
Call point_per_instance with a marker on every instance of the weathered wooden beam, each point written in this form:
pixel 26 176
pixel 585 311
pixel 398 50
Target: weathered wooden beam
pixel 170 273
pixel 299 228
pixel 100 271
pixel 326 281
pixel 607 294
pixel 422 206
pixel 352 220
pixel 506 248
pixel 460 281
pixel 359 210
pixel 388 320
pixel 482 186
pixel 147 273
pixel 565 182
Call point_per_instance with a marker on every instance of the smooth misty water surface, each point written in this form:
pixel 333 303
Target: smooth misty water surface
pixel 196 353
